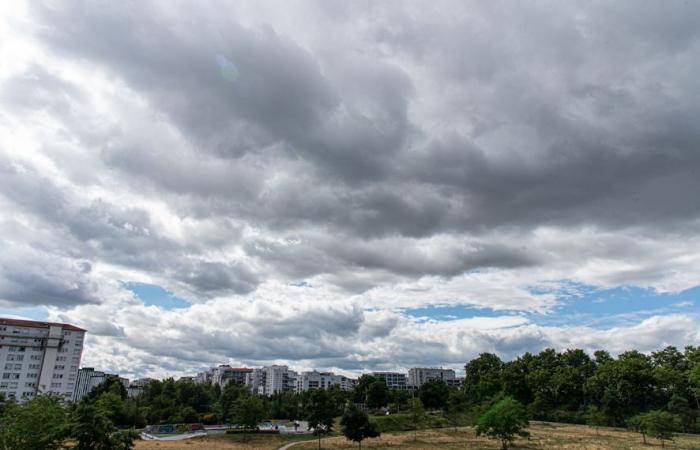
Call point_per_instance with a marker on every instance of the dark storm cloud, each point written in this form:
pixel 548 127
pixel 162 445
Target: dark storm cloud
pixel 346 115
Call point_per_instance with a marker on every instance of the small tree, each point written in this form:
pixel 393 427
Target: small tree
pixel 657 424
pixel 595 417
pixel 38 424
pixel 417 414
pixel 248 412
pixel 505 420
pixel 356 426
pixel 320 412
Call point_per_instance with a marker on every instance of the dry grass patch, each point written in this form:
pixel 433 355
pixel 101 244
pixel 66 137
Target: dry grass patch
pixel 545 436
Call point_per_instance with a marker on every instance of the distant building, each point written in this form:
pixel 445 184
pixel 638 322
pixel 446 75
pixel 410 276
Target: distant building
pixel 88 379
pixel 394 380
pixel 421 375
pixel 39 357
pixel 307 381
pixel 276 379
pixel 136 387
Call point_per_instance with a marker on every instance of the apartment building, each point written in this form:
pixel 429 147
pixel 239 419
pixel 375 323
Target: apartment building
pixel 88 378
pixel 418 376
pixel 39 357
pixel 394 380
pixel 277 379
pixel 323 380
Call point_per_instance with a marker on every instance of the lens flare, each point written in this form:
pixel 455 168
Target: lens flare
pixel 227 68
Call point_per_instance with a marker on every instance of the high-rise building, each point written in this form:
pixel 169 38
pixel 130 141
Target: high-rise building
pixel 277 379
pixel 421 375
pixel 39 357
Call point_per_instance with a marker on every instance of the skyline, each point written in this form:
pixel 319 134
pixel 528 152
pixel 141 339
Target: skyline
pixel 350 187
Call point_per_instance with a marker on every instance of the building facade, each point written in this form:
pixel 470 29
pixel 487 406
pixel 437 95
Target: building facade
pixel 307 381
pixel 39 357
pixel 421 375
pixel 394 380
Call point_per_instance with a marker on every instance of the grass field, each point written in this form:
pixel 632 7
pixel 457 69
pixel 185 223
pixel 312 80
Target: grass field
pixel 544 436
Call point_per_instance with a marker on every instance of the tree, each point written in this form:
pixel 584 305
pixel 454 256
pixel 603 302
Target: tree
pixel 320 412
pixel 434 394
pixel 679 407
pixel 356 426
pixel 230 394
pixel 483 377
pixel 657 424
pixel 377 394
pixel 93 430
pixel 594 417
pixel 38 424
pixel 457 406
pixel 248 411
pixel 417 414
pixel 505 420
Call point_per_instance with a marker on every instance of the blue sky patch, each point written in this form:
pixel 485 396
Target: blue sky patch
pixel 154 295
pixel 33 313
pixel 584 305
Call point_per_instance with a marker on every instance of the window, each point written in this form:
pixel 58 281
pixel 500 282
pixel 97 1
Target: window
pixel 35 357
pixel 6 376
pixel 55 385
pixel 30 384
pixel 8 366
pixel 61 358
pixel 59 367
pixel 35 366
pixel 57 376
pixel 32 375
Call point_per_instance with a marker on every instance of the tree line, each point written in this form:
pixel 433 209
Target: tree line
pixel 646 392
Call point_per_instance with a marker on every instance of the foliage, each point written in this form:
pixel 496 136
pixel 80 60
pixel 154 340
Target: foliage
pixel 483 377
pixel 248 411
pixel 320 413
pixel 434 394
pixel 93 430
pixel 657 424
pixel 39 424
pixel 505 420
pixel 356 426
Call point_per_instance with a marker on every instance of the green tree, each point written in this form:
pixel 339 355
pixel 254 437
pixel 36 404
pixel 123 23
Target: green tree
pixel 417 414
pixel 595 417
pixel 434 394
pixel 38 424
pixel 356 426
pixel 377 394
pixel 505 420
pixel 320 412
pixel 657 424
pixel 248 411
pixel 230 394
pixel 93 430
pixel 679 407
pixel 483 378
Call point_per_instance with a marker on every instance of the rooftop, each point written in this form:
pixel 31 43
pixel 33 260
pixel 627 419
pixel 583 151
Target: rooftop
pixel 37 324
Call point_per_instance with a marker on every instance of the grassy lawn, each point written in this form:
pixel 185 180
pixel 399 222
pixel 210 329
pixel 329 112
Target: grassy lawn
pixel 544 436
pixel 224 442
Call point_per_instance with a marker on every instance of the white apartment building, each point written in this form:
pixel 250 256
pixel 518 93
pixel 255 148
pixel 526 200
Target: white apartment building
pixel 394 380
pixel 421 375
pixel 39 357
pixel 323 380
pixel 277 379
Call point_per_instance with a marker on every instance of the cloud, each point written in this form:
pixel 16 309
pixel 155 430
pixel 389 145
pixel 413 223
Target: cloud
pixel 392 156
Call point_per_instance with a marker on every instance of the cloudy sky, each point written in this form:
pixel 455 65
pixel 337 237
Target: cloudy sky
pixel 350 185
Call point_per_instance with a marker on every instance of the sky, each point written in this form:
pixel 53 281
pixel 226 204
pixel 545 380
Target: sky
pixel 350 186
